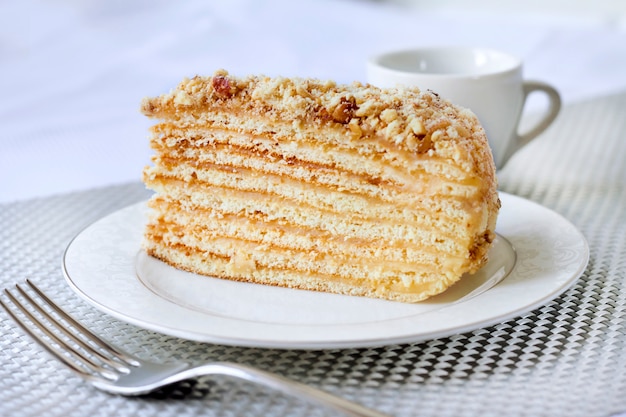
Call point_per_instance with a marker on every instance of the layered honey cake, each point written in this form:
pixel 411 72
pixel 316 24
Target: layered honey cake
pixel 309 184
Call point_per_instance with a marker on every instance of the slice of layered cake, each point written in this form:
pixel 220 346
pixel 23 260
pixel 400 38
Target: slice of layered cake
pixel 348 189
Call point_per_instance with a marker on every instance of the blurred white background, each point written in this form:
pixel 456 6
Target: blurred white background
pixel 602 12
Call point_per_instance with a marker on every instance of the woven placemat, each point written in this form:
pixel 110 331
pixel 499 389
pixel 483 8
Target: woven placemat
pixel 567 358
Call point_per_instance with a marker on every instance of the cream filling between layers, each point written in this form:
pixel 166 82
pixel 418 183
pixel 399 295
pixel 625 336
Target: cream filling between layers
pixel 375 159
pixel 275 257
pixel 224 268
pixel 245 266
pixel 448 214
pixel 204 225
pixel 283 211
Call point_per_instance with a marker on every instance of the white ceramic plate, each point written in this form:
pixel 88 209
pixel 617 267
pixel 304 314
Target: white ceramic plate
pixel 539 253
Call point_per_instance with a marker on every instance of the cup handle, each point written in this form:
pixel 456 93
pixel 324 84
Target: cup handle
pixel 554 106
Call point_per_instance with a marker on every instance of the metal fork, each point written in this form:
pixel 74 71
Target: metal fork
pixel 112 370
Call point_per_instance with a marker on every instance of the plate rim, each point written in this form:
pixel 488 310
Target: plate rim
pixel 444 331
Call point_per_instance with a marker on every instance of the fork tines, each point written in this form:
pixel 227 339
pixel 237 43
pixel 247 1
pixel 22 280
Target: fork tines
pixel 64 337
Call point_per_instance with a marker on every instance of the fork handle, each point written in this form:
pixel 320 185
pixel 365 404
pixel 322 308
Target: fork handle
pixel 284 385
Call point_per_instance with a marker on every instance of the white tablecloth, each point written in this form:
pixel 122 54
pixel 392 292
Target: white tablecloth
pixel 72 73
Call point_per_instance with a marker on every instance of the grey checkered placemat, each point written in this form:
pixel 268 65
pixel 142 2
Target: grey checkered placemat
pixel 567 358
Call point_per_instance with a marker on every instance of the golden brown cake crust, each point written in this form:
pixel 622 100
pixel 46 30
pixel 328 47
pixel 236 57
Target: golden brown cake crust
pixel 400 146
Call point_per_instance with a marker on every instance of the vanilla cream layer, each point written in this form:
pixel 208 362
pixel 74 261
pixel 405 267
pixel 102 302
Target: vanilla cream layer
pixel 270 189
pixel 304 156
pixel 242 269
pixel 256 188
pixel 276 257
pixel 224 201
pixel 205 228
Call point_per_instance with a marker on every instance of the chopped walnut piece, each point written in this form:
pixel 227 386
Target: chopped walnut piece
pixel 323 115
pixel 424 144
pixel 345 110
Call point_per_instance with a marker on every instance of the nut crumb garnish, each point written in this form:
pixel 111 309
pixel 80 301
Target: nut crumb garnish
pixel 222 86
pixel 345 110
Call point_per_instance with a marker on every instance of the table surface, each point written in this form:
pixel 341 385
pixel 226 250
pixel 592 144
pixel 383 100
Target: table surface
pixel 63 134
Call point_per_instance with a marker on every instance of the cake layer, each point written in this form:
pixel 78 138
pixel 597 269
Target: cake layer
pixel 241 269
pixel 263 256
pixel 205 226
pixel 293 201
pixel 375 158
pixel 313 168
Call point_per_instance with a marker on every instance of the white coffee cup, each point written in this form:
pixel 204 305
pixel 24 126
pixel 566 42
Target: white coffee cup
pixel 486 81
